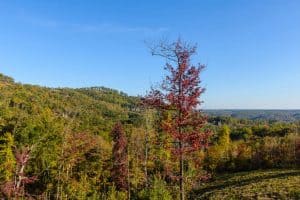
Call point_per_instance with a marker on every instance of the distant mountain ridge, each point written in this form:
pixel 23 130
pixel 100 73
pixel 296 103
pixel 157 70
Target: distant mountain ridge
pixel 269 115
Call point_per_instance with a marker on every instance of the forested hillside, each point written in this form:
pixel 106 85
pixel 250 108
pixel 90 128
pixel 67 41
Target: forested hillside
pixel 62 143
pixel 61 129
pixel 93 110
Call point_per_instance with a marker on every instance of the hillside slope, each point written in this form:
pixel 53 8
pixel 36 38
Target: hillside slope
pixel 268 184
pixel 93 110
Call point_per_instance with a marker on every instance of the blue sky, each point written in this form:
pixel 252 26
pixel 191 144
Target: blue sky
pixel 251 47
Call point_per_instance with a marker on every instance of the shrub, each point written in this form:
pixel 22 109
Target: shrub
pixel 113 194
pixel 159 190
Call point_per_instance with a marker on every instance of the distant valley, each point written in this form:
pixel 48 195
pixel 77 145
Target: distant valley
pixel 269 115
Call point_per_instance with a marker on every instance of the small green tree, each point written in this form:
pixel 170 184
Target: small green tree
pixel 224 142
pixel 159 191
pixel 114 194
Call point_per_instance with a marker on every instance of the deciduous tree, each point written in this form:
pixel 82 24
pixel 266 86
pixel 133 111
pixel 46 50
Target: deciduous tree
pixel 119 170
pixel 180 94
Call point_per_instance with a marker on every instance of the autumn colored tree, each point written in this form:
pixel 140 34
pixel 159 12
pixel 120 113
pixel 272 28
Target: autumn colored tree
pixel 76 150
pixel 119 172
pixel 16 187
pixel 224 136
pixel 180 94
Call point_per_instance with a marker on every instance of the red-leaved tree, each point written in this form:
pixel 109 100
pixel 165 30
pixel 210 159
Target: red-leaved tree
pixel 119 172
pixel 179 95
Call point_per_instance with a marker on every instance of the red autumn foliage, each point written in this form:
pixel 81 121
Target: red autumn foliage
pixel 119 172
pixel 180 94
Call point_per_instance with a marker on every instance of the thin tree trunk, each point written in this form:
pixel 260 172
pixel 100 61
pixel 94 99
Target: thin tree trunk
pixel 181 184
pixel 57 188
pixel 128 172
pixel 146 154
pixel 181 174
pixel 20 178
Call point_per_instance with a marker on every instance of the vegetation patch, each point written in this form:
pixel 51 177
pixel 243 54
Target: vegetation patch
pixel 269 184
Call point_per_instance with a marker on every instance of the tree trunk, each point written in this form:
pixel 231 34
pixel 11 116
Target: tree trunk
pixel 20 177
pixel 146 155
pixel 181 173
pixel 128 173
pixel 181 184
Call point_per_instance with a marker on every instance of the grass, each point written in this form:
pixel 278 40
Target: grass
pixel 267 184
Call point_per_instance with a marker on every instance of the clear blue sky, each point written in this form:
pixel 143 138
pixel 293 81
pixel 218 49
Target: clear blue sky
pixel 251 47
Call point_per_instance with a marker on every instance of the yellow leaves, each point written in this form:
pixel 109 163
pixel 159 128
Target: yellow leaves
pixel 224 136
pixel 7 158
